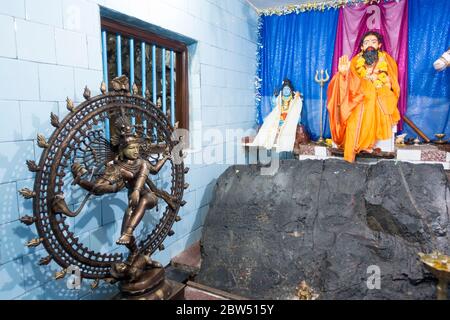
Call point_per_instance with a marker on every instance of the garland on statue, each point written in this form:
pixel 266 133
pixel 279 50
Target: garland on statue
pixel 316 5
pixel 379 76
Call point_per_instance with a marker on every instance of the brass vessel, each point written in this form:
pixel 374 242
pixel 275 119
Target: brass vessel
pixel 440 138
pixel 439 265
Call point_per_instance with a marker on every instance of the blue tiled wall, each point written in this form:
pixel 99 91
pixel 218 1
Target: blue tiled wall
pixel 50 50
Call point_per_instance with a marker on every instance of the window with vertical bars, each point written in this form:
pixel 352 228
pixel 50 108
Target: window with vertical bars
pixel 157 65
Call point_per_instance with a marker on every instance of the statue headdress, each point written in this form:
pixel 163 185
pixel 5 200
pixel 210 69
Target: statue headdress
pixel 288 83
pixel 123 133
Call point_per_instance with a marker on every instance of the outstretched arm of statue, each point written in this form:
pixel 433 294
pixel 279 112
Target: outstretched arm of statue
pixel 155 169
pixel 98 187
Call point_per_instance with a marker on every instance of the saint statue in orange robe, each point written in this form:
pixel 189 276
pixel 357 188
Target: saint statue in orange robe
pixel 362 98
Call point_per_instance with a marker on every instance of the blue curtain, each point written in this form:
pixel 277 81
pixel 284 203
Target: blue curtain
pixel 429 90
pixel 294 46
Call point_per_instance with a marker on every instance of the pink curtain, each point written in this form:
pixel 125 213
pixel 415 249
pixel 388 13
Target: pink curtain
pixel 391 20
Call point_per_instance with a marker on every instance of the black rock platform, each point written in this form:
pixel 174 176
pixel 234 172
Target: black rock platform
pixel 326 222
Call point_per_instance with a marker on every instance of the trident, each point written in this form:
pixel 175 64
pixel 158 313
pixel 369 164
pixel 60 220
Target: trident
pixel 321 81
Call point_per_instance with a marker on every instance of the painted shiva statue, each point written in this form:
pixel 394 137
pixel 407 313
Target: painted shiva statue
pixel 279 128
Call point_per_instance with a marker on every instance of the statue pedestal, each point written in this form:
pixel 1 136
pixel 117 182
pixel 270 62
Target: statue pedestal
pixel 387 145
pixel 152 285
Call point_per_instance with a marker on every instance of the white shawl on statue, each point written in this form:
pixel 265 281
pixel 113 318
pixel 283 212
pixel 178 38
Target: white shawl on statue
pixel 268 132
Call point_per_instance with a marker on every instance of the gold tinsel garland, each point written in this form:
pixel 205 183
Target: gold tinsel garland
pixel 316 5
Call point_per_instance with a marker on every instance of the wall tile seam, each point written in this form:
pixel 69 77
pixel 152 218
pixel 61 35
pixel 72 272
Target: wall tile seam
pixel 182 238
pixel 243 20
pixel 248 21
pixel 49 64
pixel 232 52
pixel 53 29
pixel 22 140
pixel 62 27
pixel 228 69
pixel 34 21
pixel 24 10
pixel 208 41
pixel 23 274
pixel 15 36
pixel 212 24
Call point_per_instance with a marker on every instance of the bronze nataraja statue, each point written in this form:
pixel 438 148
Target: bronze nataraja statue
pixel 128 170
pixel 79 153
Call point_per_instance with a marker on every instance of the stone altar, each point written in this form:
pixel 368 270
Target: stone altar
pixel 326 222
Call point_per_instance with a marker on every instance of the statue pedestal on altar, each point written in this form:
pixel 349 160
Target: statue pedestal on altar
pixel 387 145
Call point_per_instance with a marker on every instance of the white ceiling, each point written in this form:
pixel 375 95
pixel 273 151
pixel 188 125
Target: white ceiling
pixel 264 4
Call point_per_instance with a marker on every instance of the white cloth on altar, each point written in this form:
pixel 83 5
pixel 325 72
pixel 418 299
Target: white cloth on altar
pixel 388 145
pixel 268 133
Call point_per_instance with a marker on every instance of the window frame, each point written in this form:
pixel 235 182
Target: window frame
pixel 182 68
